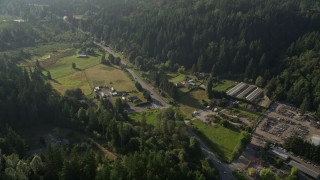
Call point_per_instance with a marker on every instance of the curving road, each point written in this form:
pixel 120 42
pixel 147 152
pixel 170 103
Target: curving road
pixel 157 99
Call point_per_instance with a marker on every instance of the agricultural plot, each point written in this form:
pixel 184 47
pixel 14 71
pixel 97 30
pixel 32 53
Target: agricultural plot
pixel 75 80
pixel 222 140
pixel 63 67
pixel 88 73
pixel 105 75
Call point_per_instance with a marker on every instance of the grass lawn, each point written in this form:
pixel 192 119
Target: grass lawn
pixel 192 101
pixel 224 85
pixel 63 67
pixel 151 116
pixel 96 76
pixel 176 77
pixel 75 80
pixel 105 75
pixel 222 140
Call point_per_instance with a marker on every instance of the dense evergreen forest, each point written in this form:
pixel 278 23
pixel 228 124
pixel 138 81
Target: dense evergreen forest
pixel 276 41
pixel 164 151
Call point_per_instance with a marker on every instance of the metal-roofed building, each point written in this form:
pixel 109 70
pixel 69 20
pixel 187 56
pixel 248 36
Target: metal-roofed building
pixel 246 91
pixel 255 94
pixel 279 154
pixel 237 89
pixel 305 169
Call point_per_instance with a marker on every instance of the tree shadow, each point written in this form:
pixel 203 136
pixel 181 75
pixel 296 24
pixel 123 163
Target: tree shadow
pixel 55 81
pixel 189 100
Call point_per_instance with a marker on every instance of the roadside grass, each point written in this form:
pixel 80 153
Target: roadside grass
pixel 151 116
pixel 63 67
pixel 224 85
pixel 221 140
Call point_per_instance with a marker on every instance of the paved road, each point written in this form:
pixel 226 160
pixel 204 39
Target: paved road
pixel 157 99
pixel 224 170
pixel 108 49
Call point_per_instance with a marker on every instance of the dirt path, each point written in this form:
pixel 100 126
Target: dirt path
pixel 109 154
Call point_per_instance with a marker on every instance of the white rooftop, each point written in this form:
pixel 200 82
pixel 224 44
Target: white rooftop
pixel 315 140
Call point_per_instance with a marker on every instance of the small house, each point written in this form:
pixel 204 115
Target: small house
pixel 82 56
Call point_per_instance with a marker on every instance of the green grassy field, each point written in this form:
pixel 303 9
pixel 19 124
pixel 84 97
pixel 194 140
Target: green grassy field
pixel 96 76
pixel 44 49
pixel 151 116
pixel 75 80
pixel 224 85
pixel 176 77
pixel 63 67
pixel 105 75
pixel 222 140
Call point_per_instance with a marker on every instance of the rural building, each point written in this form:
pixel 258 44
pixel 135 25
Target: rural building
pixel 305 169
pixel 246 91
pixel 279 154
pixel 114 93
pixel 82 56
pixel 315 140
pixel 255 94
pixel 237 89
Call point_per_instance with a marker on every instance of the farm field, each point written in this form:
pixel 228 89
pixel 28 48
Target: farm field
pixel 222 140
pixel 224 85
pixel 88 74
pixel 75 80
pixel 63 67
pixel 96 76
pixel 106 75
pixel 151 116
